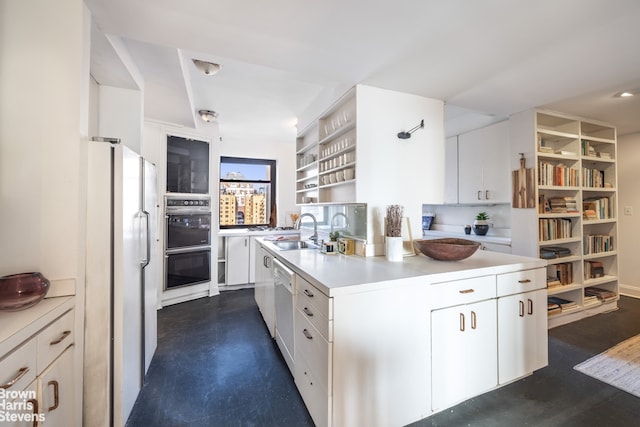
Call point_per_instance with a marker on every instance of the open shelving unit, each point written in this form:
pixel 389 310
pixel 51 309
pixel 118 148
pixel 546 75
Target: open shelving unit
pixel 575 213
pixel 326 155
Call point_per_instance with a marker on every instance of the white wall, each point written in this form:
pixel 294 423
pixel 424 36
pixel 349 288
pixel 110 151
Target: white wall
pixel 628 225
pixel 42 73
pixel 408 172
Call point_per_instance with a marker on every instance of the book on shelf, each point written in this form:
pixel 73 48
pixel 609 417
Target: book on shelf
pixel 554 228
pixel 553 282
pixel 593 269
pixel 564 304
pixel 553 308
pixel 597 243
pixel 597 208
pixel 603 295
pixel 562 271
pixel 590 300
pixel 551 252
pixel 557 174
pixel 566 204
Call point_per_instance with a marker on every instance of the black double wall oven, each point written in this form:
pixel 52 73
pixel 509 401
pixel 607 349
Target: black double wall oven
pixel 188 240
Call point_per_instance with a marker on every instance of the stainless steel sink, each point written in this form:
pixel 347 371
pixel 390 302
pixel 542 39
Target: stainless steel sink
pixel 288 245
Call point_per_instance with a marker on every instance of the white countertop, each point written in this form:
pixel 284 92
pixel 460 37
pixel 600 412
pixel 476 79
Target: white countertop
pixel 342 274
pixel 226 232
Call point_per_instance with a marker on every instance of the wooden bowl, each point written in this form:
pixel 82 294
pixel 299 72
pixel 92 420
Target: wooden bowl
pixel 448 249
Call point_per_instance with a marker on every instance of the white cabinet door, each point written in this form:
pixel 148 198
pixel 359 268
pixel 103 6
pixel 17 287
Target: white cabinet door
pixel 522 334
pixel 464 352
pixel 238 260
pixel 264 292
pixel 57 397
pixel 451 170
pixel 483 165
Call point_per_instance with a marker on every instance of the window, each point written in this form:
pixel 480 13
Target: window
pixel 247 192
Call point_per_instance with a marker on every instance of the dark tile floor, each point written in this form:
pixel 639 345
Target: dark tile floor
pixel 217 366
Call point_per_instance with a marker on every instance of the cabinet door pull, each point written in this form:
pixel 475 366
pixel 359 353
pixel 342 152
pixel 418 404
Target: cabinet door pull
pixel 530 305
pixel 307 334
pixel 56 397
pixel 479 196
pixel 466 291
pixel 307 312
pixel 34 405
pixel 524 281
pixel 60 338
pixel 521 312
pixel 474 320
pixel 486 194
pixel 308 293
pixel 21 373
pixel 461 322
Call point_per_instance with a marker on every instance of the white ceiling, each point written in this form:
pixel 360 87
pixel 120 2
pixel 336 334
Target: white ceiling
pixel 485 58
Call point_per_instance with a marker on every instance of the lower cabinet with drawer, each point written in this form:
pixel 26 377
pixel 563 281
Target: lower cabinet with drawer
pixel 313 350
pixel 38 376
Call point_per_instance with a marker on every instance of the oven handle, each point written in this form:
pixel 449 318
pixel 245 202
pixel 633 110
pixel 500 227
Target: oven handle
pixel 188 249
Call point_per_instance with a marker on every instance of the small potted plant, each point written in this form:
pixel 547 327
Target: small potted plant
pixel 334 235
pixel 480 225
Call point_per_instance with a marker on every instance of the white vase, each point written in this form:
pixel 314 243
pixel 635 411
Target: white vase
pixel 393 248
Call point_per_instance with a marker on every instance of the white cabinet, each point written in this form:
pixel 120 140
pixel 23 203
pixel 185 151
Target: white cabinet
pixel 313 349
pixel 522 334
pixel 56 391
pixel 522 323
pixel 42 367
pixel 484 165
pixel 264 288
pixel 240 265
pixel 463 362
pixel 451 170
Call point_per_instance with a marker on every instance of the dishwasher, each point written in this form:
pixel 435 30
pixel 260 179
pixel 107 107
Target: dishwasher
pixel 285 288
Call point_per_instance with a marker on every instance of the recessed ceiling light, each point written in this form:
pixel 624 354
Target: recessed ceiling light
pixel 207 68
pixel 627 93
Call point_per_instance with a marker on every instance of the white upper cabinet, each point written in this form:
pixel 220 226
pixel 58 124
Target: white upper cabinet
pixel 483 165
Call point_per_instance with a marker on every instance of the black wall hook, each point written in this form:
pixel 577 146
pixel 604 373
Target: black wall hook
pixel 407 135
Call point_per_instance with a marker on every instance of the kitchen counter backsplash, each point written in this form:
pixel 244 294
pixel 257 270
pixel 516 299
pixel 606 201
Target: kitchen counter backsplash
pixel 453 219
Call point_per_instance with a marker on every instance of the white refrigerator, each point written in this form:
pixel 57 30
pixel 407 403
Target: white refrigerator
pixel 123 273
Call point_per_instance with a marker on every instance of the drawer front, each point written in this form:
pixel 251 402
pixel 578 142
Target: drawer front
pixel 316 399
pixel 465 291
pixel 18 369
pixel 314 349
pixel 521 281
pixel 313 296
pixel 54 339
pixel 315 316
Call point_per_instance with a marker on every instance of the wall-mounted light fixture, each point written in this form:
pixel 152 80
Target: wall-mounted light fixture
pixel 208 115
pixel 407 134
pixel 207 68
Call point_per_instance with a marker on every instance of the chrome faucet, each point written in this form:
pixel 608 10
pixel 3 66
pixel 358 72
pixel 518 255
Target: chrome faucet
pixel 314 236
pixel 346 220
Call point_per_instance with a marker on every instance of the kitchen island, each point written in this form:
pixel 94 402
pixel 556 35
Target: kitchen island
pixel 386 344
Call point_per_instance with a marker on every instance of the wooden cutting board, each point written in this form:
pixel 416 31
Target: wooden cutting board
pixel 522 183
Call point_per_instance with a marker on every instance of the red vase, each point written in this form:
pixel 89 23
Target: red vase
pixel 20 291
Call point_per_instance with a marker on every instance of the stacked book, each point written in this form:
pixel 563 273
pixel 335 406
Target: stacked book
pixel 551 252
pixel 565 305
pixel 590 300
pixel 593 269
pixel 602 294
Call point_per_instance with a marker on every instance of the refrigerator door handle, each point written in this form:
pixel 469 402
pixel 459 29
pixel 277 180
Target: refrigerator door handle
pixel 145 260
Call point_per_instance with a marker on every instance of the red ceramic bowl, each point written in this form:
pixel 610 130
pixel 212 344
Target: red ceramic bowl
pixel 448 249
pixel 20 291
